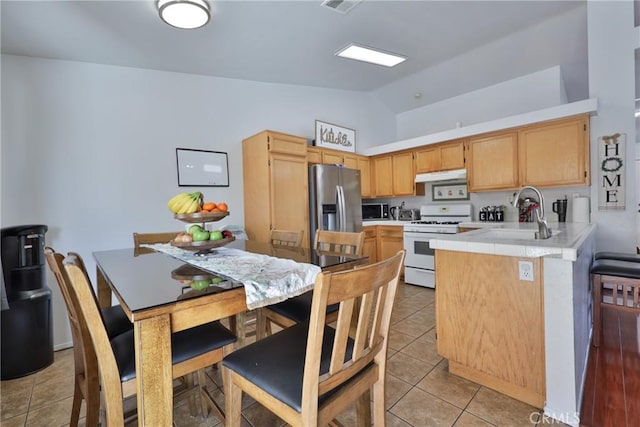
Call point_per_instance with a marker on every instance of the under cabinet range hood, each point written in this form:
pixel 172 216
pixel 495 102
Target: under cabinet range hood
pixel 452 175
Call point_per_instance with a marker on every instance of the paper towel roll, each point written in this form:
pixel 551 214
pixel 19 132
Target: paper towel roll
pixel 580 209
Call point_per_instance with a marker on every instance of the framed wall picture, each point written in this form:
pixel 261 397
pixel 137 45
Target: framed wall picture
pixel 449 192
pixel 202 168
pixel 336 137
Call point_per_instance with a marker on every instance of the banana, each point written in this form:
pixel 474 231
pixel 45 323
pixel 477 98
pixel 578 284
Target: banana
pixel 185 202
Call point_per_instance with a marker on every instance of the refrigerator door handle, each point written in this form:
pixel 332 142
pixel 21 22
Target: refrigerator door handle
pixel 342 215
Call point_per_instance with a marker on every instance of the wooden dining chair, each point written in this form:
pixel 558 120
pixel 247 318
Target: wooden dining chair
pixel 295 310
pixel 151 238
pixel 311 372
pixel 192 349
pixel 287 238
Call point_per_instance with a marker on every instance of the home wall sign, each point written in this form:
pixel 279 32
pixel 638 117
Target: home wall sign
pixel 611 177
pixel 202 168
pixel 336 137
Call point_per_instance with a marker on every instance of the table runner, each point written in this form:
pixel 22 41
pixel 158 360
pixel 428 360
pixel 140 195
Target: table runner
pixel 267 280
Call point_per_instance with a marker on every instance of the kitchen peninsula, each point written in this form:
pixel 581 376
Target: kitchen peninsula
pixel 514 313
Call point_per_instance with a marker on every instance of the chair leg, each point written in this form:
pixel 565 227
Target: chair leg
pixel 379 412
pixel 232 400
pixel 202 378
pixel 92 402
pixel 597 308
pixel 363 410
pixel 241 329
pixel 75 407
pixel 261 325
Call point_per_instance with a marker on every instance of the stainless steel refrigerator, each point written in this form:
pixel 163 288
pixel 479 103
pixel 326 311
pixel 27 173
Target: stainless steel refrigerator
pixel 334 199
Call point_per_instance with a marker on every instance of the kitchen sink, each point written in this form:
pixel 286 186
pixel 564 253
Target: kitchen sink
pixel 512 234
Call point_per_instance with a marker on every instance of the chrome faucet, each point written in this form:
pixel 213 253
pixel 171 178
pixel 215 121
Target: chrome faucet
pixel 544 232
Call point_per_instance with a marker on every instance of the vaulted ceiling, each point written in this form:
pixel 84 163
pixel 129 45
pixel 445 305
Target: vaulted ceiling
pixel 453 46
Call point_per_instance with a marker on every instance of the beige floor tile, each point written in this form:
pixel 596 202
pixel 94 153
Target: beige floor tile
pixel 15 403
pixel 17 421
pixel 258 415
pixel 55 388
pixel 501 410
pixel 407 368
pixel 62 366
pixel 400 313
pixel 424 350
pixel 470 420
pixel 449 387
pixel 393 421
pixel 413 329
pixel 398 340
pixel 395 389
pixel 55 414
pixel 184 418
pixel 419 408
pixel 425 316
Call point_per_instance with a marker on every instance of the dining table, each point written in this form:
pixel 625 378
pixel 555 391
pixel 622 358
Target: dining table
pixel 154 290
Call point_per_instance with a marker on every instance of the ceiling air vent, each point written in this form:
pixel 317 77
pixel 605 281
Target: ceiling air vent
pixel 342 6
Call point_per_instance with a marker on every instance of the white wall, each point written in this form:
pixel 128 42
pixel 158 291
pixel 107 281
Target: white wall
pixel 612 41
pixel 531 92
pixel 89 149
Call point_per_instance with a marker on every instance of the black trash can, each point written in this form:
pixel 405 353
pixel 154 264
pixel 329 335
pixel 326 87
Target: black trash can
pixel 27 326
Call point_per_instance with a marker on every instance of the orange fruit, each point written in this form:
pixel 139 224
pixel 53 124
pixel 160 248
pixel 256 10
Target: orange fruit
pixel 222 206
pixel 208 206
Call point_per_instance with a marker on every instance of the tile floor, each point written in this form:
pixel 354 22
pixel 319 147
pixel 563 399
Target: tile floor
pixel 420 391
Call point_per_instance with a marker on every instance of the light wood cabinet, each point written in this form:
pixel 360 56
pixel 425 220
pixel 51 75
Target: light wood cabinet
pixel 275 184
pixel 394 175
pixel 555 153
pixel 382 176
pixel 314 155
pixel 390 241
pixel 370 243
pixel 364 165
pixel 492 162
pixel 548 154
pixel 440 157
pixel 490 324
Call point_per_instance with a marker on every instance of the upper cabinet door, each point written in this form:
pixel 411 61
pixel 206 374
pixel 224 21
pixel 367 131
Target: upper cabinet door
pixel 452 156
pixel 428 159
pixel 555 154
pixel 492 162
pixel 382 176
pixel 403 174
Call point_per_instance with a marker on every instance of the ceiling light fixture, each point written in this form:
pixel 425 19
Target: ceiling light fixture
pixel 371 55
pixel 187 14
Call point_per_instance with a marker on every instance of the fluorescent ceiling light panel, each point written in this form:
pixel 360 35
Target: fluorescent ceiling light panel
pixel 373 56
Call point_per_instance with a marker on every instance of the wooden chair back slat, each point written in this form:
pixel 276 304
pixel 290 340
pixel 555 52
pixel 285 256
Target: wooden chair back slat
pixel 287 238
pixel 91 319
pixel 339 242
pixel 366 296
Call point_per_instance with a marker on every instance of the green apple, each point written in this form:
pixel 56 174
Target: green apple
pixel 194 228
pixel 217 280
pixel 215 235
pixel 200 235
pixel 199 285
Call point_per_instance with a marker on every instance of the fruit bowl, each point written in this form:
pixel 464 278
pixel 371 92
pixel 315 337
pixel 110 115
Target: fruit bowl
pixel 203 245
pixel 201 217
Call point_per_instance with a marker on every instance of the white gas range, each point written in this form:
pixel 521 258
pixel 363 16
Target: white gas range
pixel 434 220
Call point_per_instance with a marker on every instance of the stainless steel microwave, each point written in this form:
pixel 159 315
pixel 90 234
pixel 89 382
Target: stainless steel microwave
pixel 372 211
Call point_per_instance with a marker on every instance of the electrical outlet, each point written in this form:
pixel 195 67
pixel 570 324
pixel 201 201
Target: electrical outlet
pixel 525 270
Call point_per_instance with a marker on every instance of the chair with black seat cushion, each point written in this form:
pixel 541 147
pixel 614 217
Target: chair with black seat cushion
pixel 116 322
pixel 620 256
pixel 295 310
pixel 616 285
pixel 311 372
pixel 150 238
pixel 192 349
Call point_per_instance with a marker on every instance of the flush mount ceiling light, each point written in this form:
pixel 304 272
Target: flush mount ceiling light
pixel 187 14
pixel 371 55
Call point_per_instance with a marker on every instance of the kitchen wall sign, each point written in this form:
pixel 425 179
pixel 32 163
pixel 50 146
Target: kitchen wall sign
pixel 611 179
pixel 449 192
pixel 202 168
pixel 336 137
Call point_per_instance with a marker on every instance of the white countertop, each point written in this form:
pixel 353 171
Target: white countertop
pixel 385 222
pixel 564 242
